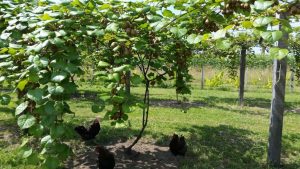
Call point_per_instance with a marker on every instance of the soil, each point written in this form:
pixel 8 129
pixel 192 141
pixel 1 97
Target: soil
pixel 296 110
pixel 175 104
pixel 145 155
pixel 9 135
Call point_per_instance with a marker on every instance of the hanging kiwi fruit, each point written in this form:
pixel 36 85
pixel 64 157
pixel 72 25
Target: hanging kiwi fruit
pixel 234 5
pixel 209 25
pixel 294 9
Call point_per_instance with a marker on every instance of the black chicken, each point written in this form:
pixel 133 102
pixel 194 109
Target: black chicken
pixel 178 145
pixel 91 132
pixel 106 159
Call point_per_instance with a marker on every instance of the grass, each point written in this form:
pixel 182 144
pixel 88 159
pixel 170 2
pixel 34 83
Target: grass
pixel 220 134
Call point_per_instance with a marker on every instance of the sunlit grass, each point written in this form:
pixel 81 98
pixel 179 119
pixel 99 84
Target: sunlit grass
pixel 220 134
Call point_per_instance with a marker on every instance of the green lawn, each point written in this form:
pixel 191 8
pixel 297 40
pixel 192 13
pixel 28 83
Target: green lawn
pixel 219 133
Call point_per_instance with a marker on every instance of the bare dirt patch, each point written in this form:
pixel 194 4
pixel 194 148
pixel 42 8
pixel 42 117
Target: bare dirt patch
pixel 146 155
pixel 175 104
pixel 9 134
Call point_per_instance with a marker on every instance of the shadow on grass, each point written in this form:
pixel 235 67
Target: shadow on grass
pixel 228 147
pixel 204 104
pixel 291 150
pixel 7 110
pixel 222 147
pixel 250 102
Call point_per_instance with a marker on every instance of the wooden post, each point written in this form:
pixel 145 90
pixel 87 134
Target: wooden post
pixel 292 81
pixel 242 74
pixel 277 104
pixel 246 78
pixel 202 76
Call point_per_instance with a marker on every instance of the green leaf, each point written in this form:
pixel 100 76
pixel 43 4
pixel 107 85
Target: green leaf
pixel 227 28
pixel 24 142
pixel 167 13
pixel 120 124
pixel 141 105
pixel 35 95
pixel 262 21
pixel 5 99
pixel 58 42
pixel 21 85
pixel 26 121
pixel 103 64
pixel 136 79
pixel 271 36
pixel 116 77
pixel 224 44
pixel 6 64
pixel 2 78
pixel 5 36
pixel 126 108
pixel 59 107
pixel 37 47
pixel 33 77
pixel 111 85
pixel 262 5
pixel 146 9
pixel 118 99
pixel 57 131
pixel 247 24
pixel 194 39
pixel 98 32
pixel 112 27
pixel 69 87
pixel 97 108
pixel 44 61
pixel 21 27
pixel 266 35
pixel 58 76
pixel 43 34
pixel 48 120
pixel 3 50
pixel 286 26
pixel 219 34
pixel 276 35
pixel 4 56
pixel 51 163
pixel 122 68
pixel 33 159
pixel 20 109
pixel 179 32
pixel 27 152
pixel 60 33
pixel 76 13
pixel 45 17
pixel 278 53
pixel 158 25
pixel 37 130
pixel 46 140
pixel 55 90
pixel 105 6
pixel 206 37
pixel 282 53
pixel 62 150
